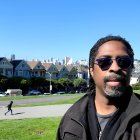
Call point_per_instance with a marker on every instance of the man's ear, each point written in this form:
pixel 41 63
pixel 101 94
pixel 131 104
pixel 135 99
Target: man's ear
pixel 91 70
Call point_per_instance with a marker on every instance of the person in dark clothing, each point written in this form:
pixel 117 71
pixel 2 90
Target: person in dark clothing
pixel 109 110
pixel 9 106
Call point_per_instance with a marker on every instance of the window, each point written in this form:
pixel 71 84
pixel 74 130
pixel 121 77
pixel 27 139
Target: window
pixel 23 65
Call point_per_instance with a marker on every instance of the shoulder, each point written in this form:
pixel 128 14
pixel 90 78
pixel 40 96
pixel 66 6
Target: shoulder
pixel 79 106
pixel 74 117
pixel 77 110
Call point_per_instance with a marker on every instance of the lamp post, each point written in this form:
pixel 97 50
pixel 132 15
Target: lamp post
pixel 50 81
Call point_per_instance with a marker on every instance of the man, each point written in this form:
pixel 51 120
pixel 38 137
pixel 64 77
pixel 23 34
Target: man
pixel 109 110
pixel 9 106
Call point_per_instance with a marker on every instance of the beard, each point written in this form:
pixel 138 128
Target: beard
pixel 115 91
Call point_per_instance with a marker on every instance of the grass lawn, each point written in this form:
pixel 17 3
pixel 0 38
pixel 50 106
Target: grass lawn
pixel 29 129
pixel 137 91
pixel 65 101
pixel 72 99
pixel 35 128
pixel 5 98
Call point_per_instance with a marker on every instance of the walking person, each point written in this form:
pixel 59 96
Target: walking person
pixel 110 110
pixel 9 106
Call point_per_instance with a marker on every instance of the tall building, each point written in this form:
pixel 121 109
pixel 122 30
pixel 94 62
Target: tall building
pixel 68 61
pixel 12 57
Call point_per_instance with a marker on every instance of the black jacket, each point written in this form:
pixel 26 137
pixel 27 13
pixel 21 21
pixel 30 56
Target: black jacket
pixel 75 126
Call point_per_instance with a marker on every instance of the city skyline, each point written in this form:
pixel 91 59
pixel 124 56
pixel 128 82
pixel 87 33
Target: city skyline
pixel 64 60
pixel 44 29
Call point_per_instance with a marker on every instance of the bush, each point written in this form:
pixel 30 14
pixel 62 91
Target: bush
pixel 136 86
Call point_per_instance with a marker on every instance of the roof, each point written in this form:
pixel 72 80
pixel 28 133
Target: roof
pixel 82 68
pixel 59 67
pixel 15 63
pixel 1 58
pixel 47 65
pixel 32 64
pixel 70 67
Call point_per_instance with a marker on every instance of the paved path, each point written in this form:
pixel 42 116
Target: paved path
pixel 35 112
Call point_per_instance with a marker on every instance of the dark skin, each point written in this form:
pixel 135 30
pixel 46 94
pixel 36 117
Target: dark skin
pixel 104 90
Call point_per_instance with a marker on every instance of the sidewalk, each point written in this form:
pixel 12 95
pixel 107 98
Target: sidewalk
pixel 35 112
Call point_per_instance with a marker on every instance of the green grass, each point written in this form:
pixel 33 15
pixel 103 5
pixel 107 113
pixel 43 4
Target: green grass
pixel 7 98
pixel 72 100
pixel 18 97
pixel 137 91
pixel 29 97
pixel 35 128
pixel 29 129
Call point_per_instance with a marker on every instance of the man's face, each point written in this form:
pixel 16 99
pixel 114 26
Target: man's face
pixel 111 82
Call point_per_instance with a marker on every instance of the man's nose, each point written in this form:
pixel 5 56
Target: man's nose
pixel 114 66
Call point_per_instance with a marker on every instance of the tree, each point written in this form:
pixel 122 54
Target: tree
pixel 79 83
pixel 65 84
pixel 136 86
pixel 3 83
pixel 25 85
pixel 14 82
pixel 37 82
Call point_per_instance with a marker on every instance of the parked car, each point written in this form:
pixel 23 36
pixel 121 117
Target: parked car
pixel 47 93
pixel 13 92
pixel 34 92
pixel 60 92
pixel 2 94
pixel 72 92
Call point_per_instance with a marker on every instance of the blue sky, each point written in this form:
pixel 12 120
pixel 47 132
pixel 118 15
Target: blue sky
pixel 44 29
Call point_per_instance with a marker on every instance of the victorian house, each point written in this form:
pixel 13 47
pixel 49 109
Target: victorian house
pixel 21 68
pixel 36 69
pixel 6 68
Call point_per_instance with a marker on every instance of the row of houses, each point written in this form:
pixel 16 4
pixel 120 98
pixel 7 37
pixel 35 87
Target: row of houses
pixel 29 69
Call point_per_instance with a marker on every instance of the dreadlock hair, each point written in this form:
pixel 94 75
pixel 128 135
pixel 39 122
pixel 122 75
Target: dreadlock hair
pixel 95 48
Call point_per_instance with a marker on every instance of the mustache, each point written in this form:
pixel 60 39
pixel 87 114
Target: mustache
pixel 116 77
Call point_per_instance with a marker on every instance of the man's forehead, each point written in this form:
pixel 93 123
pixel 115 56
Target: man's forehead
pixel 111 47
